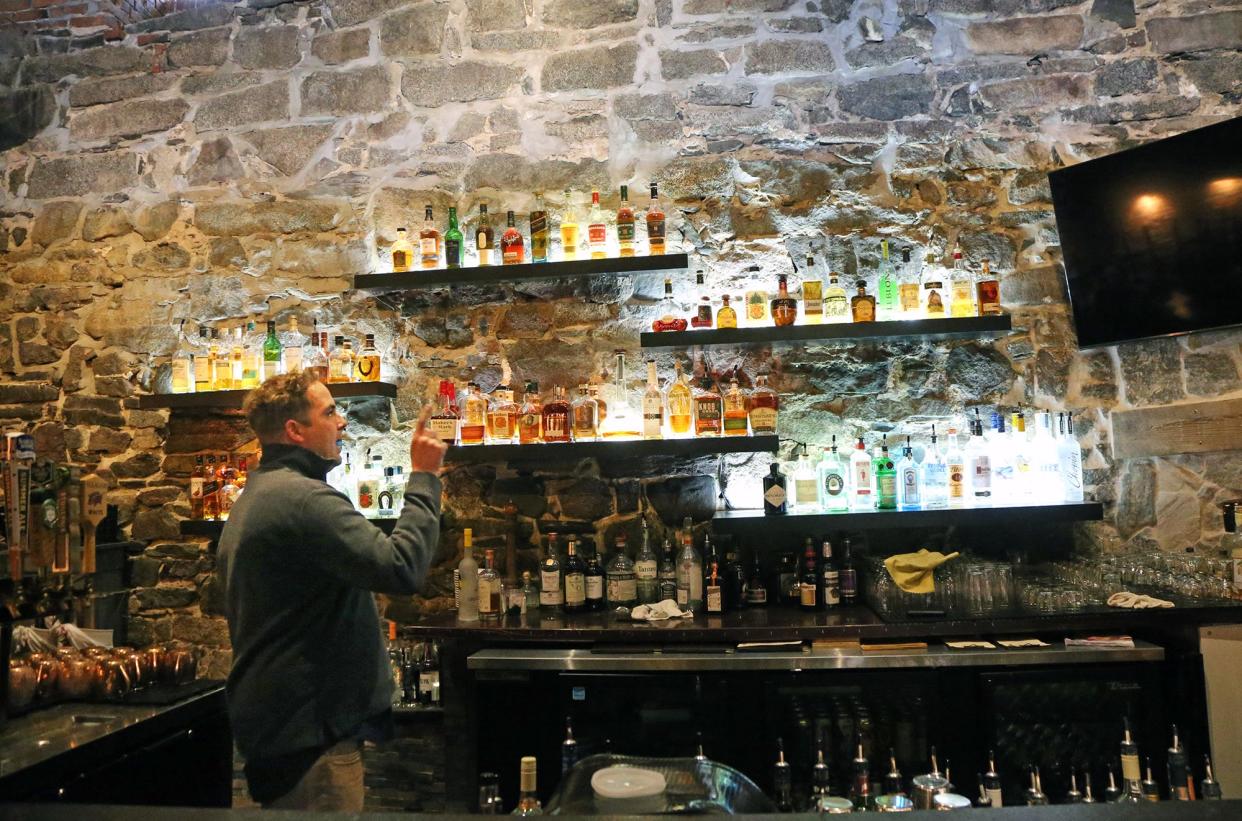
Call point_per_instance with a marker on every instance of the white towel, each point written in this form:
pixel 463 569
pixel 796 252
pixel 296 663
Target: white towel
pixel 660 611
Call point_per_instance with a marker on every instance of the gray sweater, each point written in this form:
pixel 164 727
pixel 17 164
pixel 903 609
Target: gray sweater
pixel 299 565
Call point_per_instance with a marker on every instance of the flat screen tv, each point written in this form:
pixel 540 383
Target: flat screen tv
pixel 1152 237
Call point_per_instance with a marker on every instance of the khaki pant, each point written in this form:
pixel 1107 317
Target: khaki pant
pixel 334 782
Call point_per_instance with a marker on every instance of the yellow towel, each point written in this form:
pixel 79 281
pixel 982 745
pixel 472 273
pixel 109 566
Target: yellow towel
pixel 913 571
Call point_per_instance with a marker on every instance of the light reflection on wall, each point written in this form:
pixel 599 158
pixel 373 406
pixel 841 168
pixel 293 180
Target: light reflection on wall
pixel 1225 192
pixel 1149 208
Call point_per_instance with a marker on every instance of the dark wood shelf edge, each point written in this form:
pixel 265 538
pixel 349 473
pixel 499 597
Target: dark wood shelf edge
pixel 482 274
pixel 752 519
pixel 899 329
pixel 233 399
pixel 624 449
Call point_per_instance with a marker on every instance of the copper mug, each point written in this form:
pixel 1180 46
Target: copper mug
pixel 77 675
pixel 111 682
pixel 179 664
pixel 22 679
pixel 154 658
pixel 133 665
pixel 47 673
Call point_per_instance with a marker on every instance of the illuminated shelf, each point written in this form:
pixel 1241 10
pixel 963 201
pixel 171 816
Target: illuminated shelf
pixel 211 528
pixel 971 327
pixel 622 449
pixel 483 274
pixel 751 520
pixel 234 399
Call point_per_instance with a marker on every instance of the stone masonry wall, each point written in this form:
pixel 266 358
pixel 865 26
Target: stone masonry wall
pixel 227 159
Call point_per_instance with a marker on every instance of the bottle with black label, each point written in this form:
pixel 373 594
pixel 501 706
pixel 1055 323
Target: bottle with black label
pixel 830 578
pixel 756 586
pixel 668 573
pixel 734 581
pixel 808 583
pixel 594 577
pixel 849 577
pixel 786 581
pixel 550 590
pixel 774 497
pixel 575 580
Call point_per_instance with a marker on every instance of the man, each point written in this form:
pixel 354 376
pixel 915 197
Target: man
pixel 310 677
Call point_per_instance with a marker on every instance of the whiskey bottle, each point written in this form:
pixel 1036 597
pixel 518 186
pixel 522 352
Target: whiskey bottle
pixel 812 294
pixel 367 363
pixel 621 578
pixel 347 361
pixel 862 478
pixel 680 403
pixel 894 783
pixel 756 591
pixel 862 306
pixel 909 485
pixel 668 321
pixel 885 479
pixel 585 412
pixel 860 785
pixel 961 287
pixel 736 416
pixel 987 289
pixel 708 408
pixel 292 343
pixel 315 357
pixel 1209 787
pixel 211 490
pixel 556 417
pixel 1112 793
pixel 511 248
pixel 597 229
pixel 443 422
pixel 784 307
pixel 908 292
pixel 473 416
pixel 430 247
pixel 653 405
pixel 809 580
pixel 490 589
pixel 530 416
pixel 849 576
pixel 625 224
pixel 829 578
pixel 402 252
pixel 647 570
pixel 713 597
pixel 774 495
pixel 575 580
pixel 484 236
pixel 992 783
pixel 831 480
pixel 667 574
pixel 655 224
pixel 539 231
pixel 181 365
pixel 726 317
pixel 202 362
pixel 196 489
pixel 1131 776
pixel 551 593
pixel 467 580
pixel 569 229
pixel 528 798
pixel 886 285
pixel 1035 796
pixel 762 405
pixel 756 303
pixel 1151 790
pixel 703 315
pixel 933 289
pixel 453 241
pixel 836 308
pixel 594 581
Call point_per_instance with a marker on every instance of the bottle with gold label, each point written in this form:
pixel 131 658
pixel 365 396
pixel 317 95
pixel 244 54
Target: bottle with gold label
pixel 762 405
pixel 655 224
pixel 430 246
pixel 756 307
pixel 862 306
pixel 961 287
pixel 484 236
pixel 511 249
pixel 473 416
pixel 812 294
pixel 726 317
pixel 530 416
pixel 679 403
pixel 988 291
pixel 736 416
pixel 836 307
pixel 221 365
pixel 367 363
pixel 653 405
pixel 502 416
pixel 908 291
pixel 402 252
pixel 933 286
pixel 585 416
pixel 625 224
pixel 784 307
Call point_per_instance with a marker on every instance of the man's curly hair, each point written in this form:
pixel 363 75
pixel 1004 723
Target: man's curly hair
pixel 277 400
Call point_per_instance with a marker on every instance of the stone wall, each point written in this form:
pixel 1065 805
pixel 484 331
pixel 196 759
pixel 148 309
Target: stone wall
pixel 230 159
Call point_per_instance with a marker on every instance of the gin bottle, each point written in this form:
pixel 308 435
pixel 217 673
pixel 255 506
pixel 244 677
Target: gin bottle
pixel 806 486
pixel 885 479
pixel 909 484
pixel 886 287
pixel 978 464
pixel 862 489
pixel 935 476
pixel 831 480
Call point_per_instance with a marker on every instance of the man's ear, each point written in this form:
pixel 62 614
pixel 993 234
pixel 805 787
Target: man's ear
pixel 293 431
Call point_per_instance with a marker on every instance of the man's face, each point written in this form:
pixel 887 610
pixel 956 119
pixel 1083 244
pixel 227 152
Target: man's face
pixel 322 434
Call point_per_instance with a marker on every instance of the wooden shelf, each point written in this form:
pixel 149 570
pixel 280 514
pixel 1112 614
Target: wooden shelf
pixel 234 399
pixel 962 327
pixel 483 274
pixel 754 520
pixel 618 449
pixel 212 529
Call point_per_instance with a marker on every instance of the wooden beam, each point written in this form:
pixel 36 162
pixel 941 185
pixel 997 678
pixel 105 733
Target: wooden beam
pixel 1196 427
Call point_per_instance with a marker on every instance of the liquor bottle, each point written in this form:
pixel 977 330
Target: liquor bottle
pixel 291 343
pixel 529 601
pixel 893 783
pixel 785 585
pixel 551 591
pixel 689 575
pixel 454 243
pixel 211 490
pixel 569 748
pixel 734 584
pixel 831 481
pixel 1181 784
pixel 484 236
pixel 229 490
pixel 812 294
pixel 809 581
pixel 1049 484
pixel 987 289
pixel 625 224
pixel 528 799
pixel 1112 793
pixel 655 224
pixel 756 591
pixel 708 407
pixel 348 360
pixel 668 574
pixel 653 405
pixel 680 402
pixel 252 356
pixel 473 416
pixel 668 320
pixel 909 486
pixel 236 353
pixel 886 285
pixel 181 365
pixel 430 243
pixel 1074 795
pixel 467 580
pixel 726 317
pixel 820 779
pixel 961 287
pixel 829 578
pixel 849 576
pixel 315 357
pixel 443 422
pixel 1035 793
pixel 1069 456
pixel 1131 777
pixel 978 464
pixel 367 363
pixel 597 229
pixel 647 570
pixel 955 461
pixel 402 252
pixel 621 579
pixel 201 372
pixel 756 303
pixel 1087 797
pixel 932 299
pixel 624 420
pixel 575 580
pixel 885 479
pixel 762 406
pixel 713 597
pixel 1023 460
pixel 569 229
pixel 539 231
pixel 1151 790
pixel 992 783
pixel 806 485
pixel 862 478
pixel 860 785
pixel 512 250
pixel 782 780
pixel 784 307
pixel 220 368
pixel 703 314
pixel 862 306
pixel 556 417
pixel 774 496
pixel 935 476
pixel 530 416
pixel 336 364
pixel 836 307
pixel 491 589
pixel 501 416
pixel 1209 787
pixel 196 488
pixel 908 292
pixel 594 581
pixel 585 413
pixel 736 415
pixel 595 388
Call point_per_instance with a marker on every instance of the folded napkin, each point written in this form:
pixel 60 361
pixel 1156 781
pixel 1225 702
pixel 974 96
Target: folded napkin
pixel 970 645
pixel 660 611
pixel 1136 601
pixel 1016 643
pixel 1102 641
pixel 913 571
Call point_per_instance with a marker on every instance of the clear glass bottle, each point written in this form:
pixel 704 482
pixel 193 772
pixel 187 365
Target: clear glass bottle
pixel 805 485
pixel 337 362
pixel 935 475
pixel 1023 461
pixel 647 570
pixel 1069 452
pixel 402 252
pixel 862 306
pixel 237 354
pixel 933 289
pixel 467 580
pixel 491 589
pixel 528 798
pixel 221 364
pixel 484 237
pixel 315 356
pixel 621 579
pixel 597 229
pixel 1004 471
pixel 862 478
pixel 909 482
pixel 252 356
pixel 961 287
pixel 955 459
pixel 556 421
pixel 756 301
pixel 182 365
pixel 551 591
pixel 680 403
pixel 530 416
pixel 762 405
pixel 625 224
pixel 585 412
pixel 836 304
pixel 830 476
pixel 736 415
pixel 530 593
pixel 473 416
pixel 784 307
pixel 886 297
pixel 292 343
pixel 689 575
pixel 512 249
pixel 1049 484
pixel 655 224
pixel 624 420
pixel 454 244
pixel 575 580
pixel 812 294
pixel 978 464
pixel 569 229
pixel 430 246
pixel 653 405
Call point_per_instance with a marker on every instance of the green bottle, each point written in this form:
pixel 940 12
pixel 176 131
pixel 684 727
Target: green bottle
pixel 885 480
pixel 272 351
pixel 886 290
pixel 452 241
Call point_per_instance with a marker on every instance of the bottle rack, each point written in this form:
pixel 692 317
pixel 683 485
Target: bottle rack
pixel 233 399
pixel 755 520
pixel 613 449
pixel 488 274
pixel 973 327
